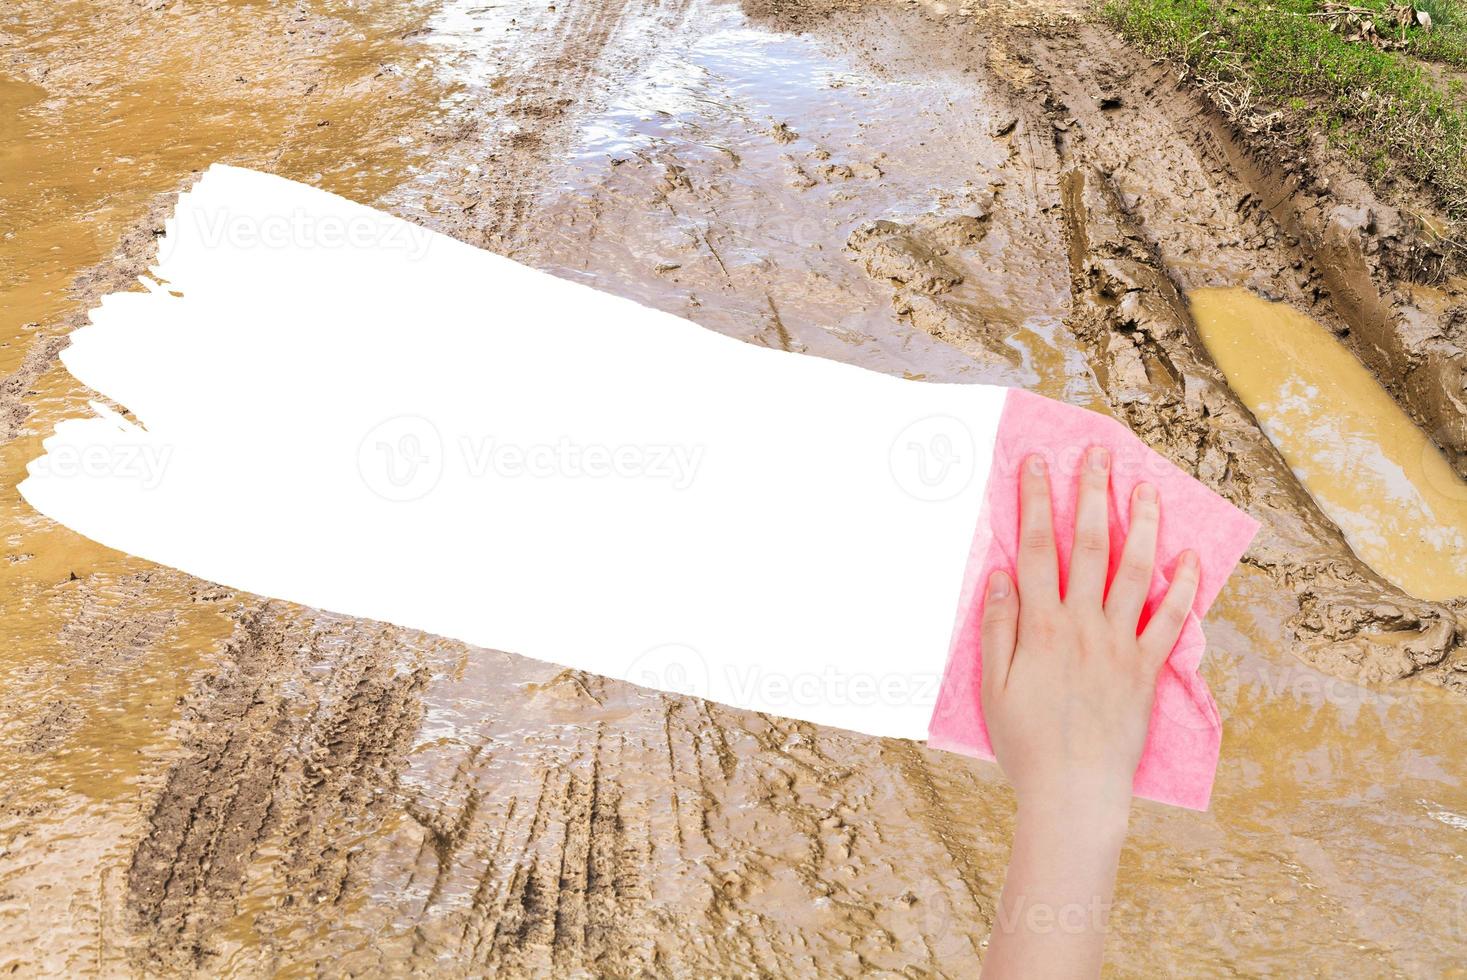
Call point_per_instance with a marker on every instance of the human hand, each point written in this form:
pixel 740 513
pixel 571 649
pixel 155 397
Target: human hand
pixel 1067 682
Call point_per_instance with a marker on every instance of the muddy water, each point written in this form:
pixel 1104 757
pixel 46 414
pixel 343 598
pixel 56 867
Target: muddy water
pixel 725 178
pixel 103 107
pixel 1401 506
pixel 1339 811
pixel 332 795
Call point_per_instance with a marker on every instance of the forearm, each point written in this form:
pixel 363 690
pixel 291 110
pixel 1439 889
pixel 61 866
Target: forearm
pixel 1053 912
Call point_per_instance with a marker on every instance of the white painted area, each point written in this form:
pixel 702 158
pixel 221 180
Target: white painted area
pixel 347 411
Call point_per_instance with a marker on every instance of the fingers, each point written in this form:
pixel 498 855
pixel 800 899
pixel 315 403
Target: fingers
pixel 1000 632
pixel 1090 556
pixel 1038 564
pixel 1166 623
pixel 1133 575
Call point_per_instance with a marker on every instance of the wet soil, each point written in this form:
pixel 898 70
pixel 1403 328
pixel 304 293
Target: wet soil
pixel 197 781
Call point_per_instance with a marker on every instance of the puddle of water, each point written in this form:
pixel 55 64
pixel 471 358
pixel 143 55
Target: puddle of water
pixel 1369 467
pixel 129 104
pixel 1337 813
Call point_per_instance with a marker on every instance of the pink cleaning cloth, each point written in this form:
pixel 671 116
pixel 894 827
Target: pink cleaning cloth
pixel 1180 758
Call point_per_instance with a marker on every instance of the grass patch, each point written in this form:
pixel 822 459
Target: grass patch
pixel 1447 40
pixel 1379 105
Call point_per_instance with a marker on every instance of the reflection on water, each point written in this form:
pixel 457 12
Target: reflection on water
pixel 724 175
pixel 1401 506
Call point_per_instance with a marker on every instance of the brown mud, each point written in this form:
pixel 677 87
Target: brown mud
pixel 196 781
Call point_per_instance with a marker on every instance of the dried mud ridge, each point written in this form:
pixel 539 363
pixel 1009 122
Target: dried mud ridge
pixel 1151 362
pixel 353 798
pixel 1075 119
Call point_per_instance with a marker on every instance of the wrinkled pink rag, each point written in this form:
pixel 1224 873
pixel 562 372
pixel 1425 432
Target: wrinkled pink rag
pixel 1180 758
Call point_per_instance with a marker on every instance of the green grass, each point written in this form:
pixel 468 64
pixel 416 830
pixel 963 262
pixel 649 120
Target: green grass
pixel 1447 40
pixel 1379 105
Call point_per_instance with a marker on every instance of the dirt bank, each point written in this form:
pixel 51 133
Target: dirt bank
pixel 197 781
pixel 1144 191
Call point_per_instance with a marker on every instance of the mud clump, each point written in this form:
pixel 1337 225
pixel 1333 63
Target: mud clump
pixel 915 257
pixel 893 252
pixel 1454 325
pixel 926 263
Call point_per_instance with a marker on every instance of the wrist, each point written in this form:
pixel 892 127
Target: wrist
pixel 1104 810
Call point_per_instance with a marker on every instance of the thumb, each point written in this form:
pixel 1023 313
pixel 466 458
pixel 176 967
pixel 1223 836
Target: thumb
pixel 1000 632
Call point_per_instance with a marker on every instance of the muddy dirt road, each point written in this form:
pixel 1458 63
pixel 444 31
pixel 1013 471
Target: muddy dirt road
pixel 194 780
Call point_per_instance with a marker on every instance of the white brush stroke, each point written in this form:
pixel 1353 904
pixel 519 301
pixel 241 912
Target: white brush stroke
pixel 347 411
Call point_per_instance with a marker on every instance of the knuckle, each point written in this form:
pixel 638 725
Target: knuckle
pixel 1037 539
pixel 1092 540
pixel 1144 515
pixel 1134 572
pixel 1171 615
pixel 999 614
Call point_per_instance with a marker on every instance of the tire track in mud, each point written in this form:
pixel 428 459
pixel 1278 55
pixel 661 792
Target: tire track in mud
pixel 562 822
pixel 623 841
pixel 622 847
pixel 545 97
pixel 292 741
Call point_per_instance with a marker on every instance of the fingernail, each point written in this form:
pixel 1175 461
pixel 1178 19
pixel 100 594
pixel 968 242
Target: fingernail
pixel 1146 492
pixel 998 586
pixel 1189 560
pixel 1099 458
pixel 1036 465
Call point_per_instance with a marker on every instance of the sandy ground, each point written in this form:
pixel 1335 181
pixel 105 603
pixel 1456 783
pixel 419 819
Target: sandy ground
pixel 201 781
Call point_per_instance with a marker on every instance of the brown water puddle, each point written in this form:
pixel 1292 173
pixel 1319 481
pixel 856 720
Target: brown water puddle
pixel 104 107
pixel 1338 824
pixel 160 96
pixel 1370 468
